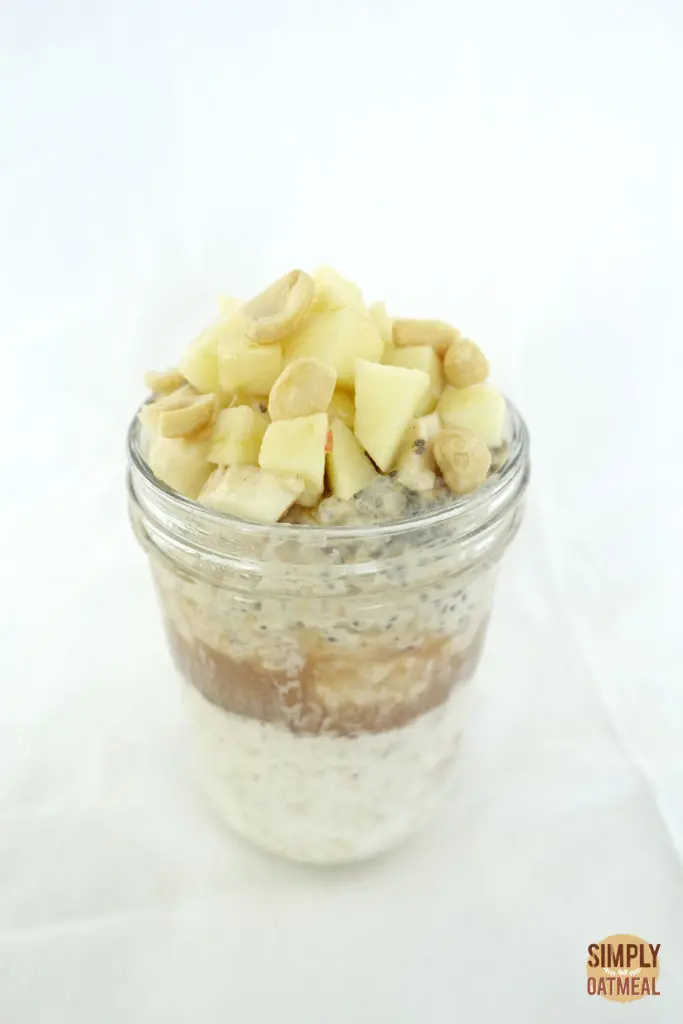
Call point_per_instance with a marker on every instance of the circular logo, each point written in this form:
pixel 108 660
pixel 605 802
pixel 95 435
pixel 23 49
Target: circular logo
pixel 623 968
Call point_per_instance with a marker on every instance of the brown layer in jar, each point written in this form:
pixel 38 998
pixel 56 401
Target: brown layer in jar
pixel 341 693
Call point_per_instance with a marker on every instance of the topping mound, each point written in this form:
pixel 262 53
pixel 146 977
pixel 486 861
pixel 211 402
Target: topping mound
pixel 305 405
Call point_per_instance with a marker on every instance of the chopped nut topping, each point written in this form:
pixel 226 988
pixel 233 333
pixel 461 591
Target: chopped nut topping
pixel 465 364
pixel 434 333
pixel 463 458
pixel 164 382
pixel 188 418
pixel 304 387
pixel 278 310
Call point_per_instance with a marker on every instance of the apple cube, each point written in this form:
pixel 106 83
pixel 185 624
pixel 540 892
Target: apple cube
pixel 420 357
pixel 248 368
pixel 199 363
pixel 251 493
pixel 420 437
pixel 149 415
pixel 382 320
pixel 414 472
pixel 416 465
pixel 424 429
pixel 341 407
pixel 297 447
pixel 228 304
pixel 480 408
pixel 349 469
pixel 310 496
pixel 236 437
pixel 181 463
pixel 338 337
pixel 386 400
pixel 332 291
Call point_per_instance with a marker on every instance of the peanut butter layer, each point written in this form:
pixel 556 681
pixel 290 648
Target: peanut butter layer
pixel 341 692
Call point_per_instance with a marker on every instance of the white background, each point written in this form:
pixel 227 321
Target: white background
pixel 513 167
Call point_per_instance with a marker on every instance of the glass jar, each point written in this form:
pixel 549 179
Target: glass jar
pixel 327 671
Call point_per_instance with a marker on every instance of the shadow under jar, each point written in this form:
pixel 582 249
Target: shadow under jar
pixel 327 670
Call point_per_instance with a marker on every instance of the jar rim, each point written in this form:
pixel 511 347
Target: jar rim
pixel 500 490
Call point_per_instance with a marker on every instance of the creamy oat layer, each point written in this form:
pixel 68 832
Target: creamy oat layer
pixel 325 799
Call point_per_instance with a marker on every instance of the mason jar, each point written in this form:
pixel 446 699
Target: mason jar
pixel 327 671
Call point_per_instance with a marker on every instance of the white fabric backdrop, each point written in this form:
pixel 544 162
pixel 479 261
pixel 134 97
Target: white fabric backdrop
pixel 513 167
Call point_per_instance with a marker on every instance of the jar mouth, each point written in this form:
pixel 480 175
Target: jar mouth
pixel 502 489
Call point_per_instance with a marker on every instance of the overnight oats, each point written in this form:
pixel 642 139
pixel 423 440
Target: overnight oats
pixel 324 494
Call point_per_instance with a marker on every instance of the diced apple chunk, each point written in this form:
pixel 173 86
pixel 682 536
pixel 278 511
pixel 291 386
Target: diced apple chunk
pixel 236 437
pixel 480 408
pixel 338 337
pixel 297 447
pixel 341 407
pixel 213 481
pixel 416 465
pixel 199 361
pixel 180 462
pixel 420 437
pixel 249 368
pixel 310 496
pixel 349 469
pixel 382 320
pixel 260 405
pixel 149 415
pixel 242 397
pixel 420 357
pixel 424 428
pixel 252 493
pixel 386 400
pixel 332 291
pixel 228 304
pixel 414 472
